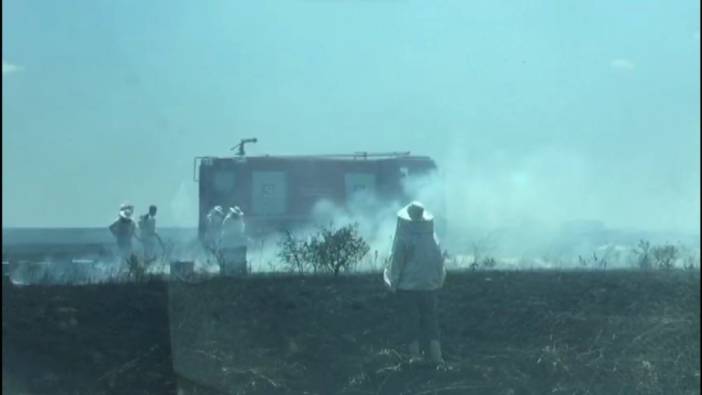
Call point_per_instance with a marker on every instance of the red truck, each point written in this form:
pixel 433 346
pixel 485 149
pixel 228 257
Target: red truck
pixel 278 192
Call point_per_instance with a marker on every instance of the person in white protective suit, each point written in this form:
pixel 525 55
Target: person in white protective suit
pixel 149 236
pixel 124 230
pixel 232 243
pixel 415 273
pixel 213 228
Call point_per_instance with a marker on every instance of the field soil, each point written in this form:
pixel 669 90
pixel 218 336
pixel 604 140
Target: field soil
pixel 616 332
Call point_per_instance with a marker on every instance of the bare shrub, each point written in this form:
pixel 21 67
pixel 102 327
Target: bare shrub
pixel 665 256
pixel 582 262
pixel 294 253
pixel 480 250
pixel 488 263
pixel 644 260
pixel 661 257
pixel 330 250
pixel 599 262
pixel 334 250
pixel 593 263
pixel 691 262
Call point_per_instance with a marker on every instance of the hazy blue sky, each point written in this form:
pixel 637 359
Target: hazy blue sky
pixel 550 110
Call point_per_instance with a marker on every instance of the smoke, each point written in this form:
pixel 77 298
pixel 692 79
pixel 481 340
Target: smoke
pixel 376 219
pixel 500 189
pixel 183 206
pixel 544 202
pixel 543 209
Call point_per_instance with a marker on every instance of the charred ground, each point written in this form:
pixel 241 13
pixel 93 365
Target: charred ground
pixel 503 333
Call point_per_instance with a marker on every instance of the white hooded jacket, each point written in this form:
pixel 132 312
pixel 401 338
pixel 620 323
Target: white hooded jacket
pixel 233 230
pixel 416 262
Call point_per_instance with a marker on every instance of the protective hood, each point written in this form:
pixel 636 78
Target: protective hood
pixel 235 211
pixel 415 211
pixel 126 210
pixel 423 221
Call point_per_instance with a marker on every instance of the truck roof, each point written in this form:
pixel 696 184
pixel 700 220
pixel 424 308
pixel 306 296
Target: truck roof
pixel 354 156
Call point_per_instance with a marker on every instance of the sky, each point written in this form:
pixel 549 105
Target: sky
pixel 544 111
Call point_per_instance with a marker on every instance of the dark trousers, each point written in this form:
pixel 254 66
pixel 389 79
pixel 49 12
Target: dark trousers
pixel 149 244
pixel 419 315
pixel 125 249
pixel 233 261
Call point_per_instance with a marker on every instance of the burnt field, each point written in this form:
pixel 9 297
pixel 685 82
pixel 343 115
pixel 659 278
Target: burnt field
pixel 617 332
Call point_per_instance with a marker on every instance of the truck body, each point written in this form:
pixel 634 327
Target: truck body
pixel 281 192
